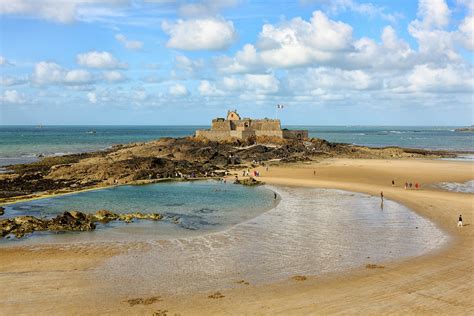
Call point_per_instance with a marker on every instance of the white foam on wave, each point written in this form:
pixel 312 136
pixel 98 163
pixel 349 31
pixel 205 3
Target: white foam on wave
pixel 466 187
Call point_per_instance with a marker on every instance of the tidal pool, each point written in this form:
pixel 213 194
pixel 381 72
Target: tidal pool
pixel 228 233
pixel 310 232
pixel 189 208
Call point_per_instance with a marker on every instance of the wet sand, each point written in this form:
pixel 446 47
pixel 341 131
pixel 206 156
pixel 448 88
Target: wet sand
pixel 63 279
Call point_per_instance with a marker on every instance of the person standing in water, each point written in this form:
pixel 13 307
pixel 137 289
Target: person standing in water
pixel 381 195
pixel 274 195
pixel 460 221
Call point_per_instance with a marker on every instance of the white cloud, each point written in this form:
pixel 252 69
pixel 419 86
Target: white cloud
pixel 102 60
pixel 12 97
pixel 178 90
pixel 200 34
pixel 12 81
pixel 466 29
pixel 92 97
pixel 293 43
pixel 63 11
pixel 209 90
pixel 114 76
pixel 450 78
pixel 3 61
pixel 433 14
pixel 51 73
pixel 129 44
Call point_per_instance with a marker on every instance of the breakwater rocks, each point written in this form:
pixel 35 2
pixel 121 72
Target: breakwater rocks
pixel 68 221
pixel 175 158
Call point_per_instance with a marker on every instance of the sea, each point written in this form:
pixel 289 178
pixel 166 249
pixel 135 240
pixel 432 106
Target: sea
pixel 23 144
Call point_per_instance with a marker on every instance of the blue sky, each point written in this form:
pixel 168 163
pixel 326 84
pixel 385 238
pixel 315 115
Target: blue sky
pixel 154 62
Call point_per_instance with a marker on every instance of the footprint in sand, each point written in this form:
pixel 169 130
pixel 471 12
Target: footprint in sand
pixel 299 278
pixel 216 295
pixel 243 282
pixel 144 301
pixel 373 266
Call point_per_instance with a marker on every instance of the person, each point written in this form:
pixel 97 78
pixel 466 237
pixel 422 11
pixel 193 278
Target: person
pixel 314 172
pixel 410 185
pixel 406 185
pixel 416 186
pixel 460 221
pixel 274 195
pixel 266 168
pixel 393 183
pixel 381 195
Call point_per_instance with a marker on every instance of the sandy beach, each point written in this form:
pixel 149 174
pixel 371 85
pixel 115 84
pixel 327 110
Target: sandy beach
pixel 62 279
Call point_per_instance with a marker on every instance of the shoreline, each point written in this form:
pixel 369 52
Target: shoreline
pixel 446 274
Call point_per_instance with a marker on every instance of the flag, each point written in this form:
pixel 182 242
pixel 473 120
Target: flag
pixel 279 106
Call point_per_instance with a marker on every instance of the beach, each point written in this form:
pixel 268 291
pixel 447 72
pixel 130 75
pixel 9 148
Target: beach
pixel 63 279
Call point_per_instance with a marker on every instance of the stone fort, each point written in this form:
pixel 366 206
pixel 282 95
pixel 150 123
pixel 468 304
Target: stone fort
pixel 235 127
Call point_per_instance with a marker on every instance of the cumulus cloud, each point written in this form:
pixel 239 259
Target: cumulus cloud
pixel 129 44
pixel 178 90
pixel 12 97
pixel 101 60
pixel 51 73
pixel 114 76
pixel 200 34
pixel 293 43
pixel 64 11
pixel 209 90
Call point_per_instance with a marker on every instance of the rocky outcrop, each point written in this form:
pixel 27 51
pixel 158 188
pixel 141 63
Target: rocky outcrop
pixel 248 181
pixel 175 158
pixel 2 211
pixel 68 221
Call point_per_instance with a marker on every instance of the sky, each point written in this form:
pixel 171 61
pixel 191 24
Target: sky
pixel 168 62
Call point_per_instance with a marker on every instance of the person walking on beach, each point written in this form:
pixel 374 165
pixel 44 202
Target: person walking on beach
pixel 314 172
pixel 381 195
pixel 460 221
pixel 393 183
pixel 410 185
pixel 406 185
pixel 274 195
pixel 416 186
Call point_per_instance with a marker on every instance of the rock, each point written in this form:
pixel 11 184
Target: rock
pixel 105 216
pixel 2 211
pixel 249 181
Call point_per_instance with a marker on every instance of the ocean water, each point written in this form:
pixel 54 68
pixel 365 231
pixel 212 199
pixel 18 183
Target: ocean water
pixel 196 206
pixel 24 143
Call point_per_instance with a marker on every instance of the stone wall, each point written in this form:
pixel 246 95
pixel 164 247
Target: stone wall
pixel 266 125
pixel 220 125
pixel 295 134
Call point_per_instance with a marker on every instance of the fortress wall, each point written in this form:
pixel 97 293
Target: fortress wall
pixel 218 125
pixel 270 133
pixel 266 125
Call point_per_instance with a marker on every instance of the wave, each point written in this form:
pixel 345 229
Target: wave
pixel 466 187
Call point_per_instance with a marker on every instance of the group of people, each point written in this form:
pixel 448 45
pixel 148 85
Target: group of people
pixel 408 185
pixel 246 173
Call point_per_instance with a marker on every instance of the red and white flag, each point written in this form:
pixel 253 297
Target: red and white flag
pixel 279 106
